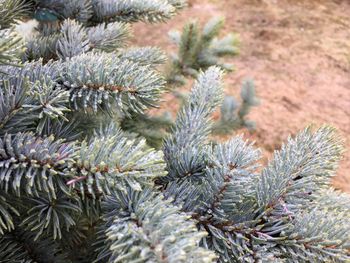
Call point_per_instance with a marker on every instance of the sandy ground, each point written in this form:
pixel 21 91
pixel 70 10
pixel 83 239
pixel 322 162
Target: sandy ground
pixel 298 53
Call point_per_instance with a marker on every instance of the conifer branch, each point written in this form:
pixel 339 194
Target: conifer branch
pixel 233 114
pixel 50 216
pixel 132 11
pixel 199 50
pixel 80 10
pixel 182 149
pixel 144 56
pixel 73 40
pixel 13 96
pixel 49 102
pixel 102 81
pixel 11 47
pixel 111 161
pixel 42 47
pixel 143 227
pixel 10 10
pixel 318 235
pixel 30 164
pixel 302 167
pixel 108 37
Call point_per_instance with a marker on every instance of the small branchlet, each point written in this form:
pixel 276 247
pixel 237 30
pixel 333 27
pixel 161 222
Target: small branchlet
pixel 233 114
pixel 199 50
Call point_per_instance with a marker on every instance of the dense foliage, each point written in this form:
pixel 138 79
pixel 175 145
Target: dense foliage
pixel 75 187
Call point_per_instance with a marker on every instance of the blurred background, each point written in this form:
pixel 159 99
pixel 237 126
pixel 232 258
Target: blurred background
pixel 297 52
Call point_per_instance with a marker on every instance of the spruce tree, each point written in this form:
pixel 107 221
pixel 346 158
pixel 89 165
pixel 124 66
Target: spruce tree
pixel 74 187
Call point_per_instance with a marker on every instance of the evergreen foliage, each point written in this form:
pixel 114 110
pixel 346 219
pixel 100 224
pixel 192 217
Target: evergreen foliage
pixel 10 47
pixel 233 114
pixel 74 187
pixel 200 49
pixel 10 43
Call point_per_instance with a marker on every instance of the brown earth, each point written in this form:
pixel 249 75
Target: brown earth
pixel 298 53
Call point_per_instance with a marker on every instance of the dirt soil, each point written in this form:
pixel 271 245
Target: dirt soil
pixel 297 52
